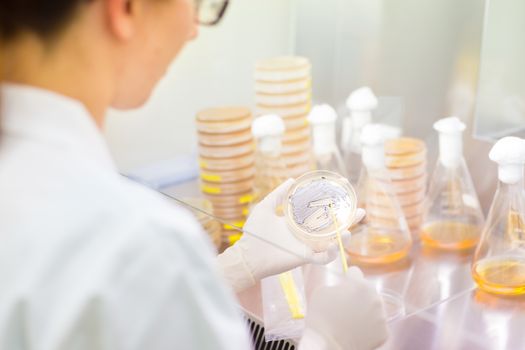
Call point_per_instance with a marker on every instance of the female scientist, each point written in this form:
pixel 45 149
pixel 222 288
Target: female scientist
pixel 90 260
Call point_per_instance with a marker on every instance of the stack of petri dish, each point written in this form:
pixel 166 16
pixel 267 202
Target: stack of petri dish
pixel 283 87
pixel 406 161
pixel 226 151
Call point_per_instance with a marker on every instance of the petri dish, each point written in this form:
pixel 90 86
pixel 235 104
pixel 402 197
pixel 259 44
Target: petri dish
pixel 223 120
pixel 228 175
pixel 224 164
pixel 405 160
pixel 283 99
pixel 283 87
pixel 318 205
pixel 226 139
pixel 293 123
pixel 296 134
pixel 303 145
pixel 409 185
pixel 298 158
pixel 227 188
pixel 291 111
pixel 281 69
pixel 404 146
pixel 227 201
pixel 224 127
pixel 403 198
pixel 223 114
pixel 231 212
pixel 408 172
pixel 414 210
pixel 226 151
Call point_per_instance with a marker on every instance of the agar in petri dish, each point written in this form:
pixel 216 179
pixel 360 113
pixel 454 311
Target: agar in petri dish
pixel 315 201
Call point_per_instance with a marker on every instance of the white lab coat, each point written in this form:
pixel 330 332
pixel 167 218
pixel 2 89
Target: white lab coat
pixel 88 259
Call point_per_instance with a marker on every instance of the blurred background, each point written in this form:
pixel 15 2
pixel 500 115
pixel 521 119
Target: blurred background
pixel 424 59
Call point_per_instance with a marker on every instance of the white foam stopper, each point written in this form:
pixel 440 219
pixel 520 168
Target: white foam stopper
pixel 509 153
pixel 450 141
pixel 268 130
pixel 362 99
pixel 322 114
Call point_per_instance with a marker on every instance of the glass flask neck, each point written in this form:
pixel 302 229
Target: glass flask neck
pixel 270 146
pixel 374 157
pixel 511 189
pixel 324 138
pixel 361 118
pixel 450 149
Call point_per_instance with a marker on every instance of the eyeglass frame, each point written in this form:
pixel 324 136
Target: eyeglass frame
pixel 220 14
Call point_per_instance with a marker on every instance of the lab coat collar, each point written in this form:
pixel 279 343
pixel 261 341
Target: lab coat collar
pixel 54 120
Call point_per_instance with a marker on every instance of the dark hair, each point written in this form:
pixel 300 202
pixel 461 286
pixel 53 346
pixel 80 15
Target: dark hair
pixel 42 17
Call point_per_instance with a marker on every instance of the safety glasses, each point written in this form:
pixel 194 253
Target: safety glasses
pixel 210 12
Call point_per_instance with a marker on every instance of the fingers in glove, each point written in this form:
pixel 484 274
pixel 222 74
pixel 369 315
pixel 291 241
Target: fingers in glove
pixel 327 256
pixel 360 214
pixel 354 273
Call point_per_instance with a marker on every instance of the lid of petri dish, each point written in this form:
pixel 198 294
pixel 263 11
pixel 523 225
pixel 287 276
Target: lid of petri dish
pixel 282 87
pixel 232 200
pixel 303 145
pixel 405 160
pixel 292 111
pixel 224 127
pixel 223 164
pixel 220 114
pixel 226 188
pixel 296 134
pixel 227 175
pixel 407 173
pixel 232 151
pixel 298 158
pixel 378 197
pixel 294 123
pixel 315 200
pixel 283 99
pixel 225 139
pixel 404 146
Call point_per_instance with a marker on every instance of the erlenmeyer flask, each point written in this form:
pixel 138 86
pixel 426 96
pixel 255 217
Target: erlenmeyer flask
pixel 361 104
pixel 322 119
pixel 499 262
pixel 270 168
pixel 453 216
pixel 384 236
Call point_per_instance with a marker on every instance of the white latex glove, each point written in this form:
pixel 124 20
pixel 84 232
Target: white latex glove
pixel 347 316
pixel 268 247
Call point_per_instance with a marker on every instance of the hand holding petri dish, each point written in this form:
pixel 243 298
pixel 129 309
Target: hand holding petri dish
pixel 320 205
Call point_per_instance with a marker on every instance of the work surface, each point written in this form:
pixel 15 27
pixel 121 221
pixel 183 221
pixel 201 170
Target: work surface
pixel 443 309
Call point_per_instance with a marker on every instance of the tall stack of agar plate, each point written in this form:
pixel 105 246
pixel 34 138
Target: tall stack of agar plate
pixel 406 160
pixel 283 87
pixel 226 151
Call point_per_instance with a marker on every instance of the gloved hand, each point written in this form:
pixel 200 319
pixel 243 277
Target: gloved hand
pixel 347 316
pixel 268 247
